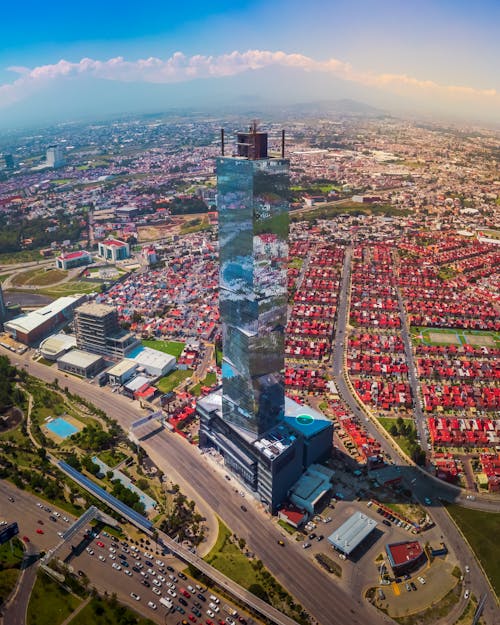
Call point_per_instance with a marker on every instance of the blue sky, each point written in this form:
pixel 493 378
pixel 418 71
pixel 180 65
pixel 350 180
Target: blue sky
pixel 450 43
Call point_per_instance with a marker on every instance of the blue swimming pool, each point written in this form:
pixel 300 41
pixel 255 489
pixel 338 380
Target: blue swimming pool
pixel 62 428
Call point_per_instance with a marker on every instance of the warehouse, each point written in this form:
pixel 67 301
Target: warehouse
pixel 352 533
pixel 31 328
pixel 81 363
pixel 154 362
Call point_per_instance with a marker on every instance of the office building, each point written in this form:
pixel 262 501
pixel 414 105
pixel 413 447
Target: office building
pixel 113 250
pixel 245 419
pixel 73 259
pixel 97 330
pixel 54 157
pixel 8 161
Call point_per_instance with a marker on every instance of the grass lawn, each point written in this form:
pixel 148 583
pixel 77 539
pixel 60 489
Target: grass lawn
pixel 111 457
pixel 49 603
pixel 10 560
pixel 38 277
pixel 296 263
pixel 173 379
pixel 402 441
pixel 70 288
pixel 174 348
pixel 482 530
pixel 101 612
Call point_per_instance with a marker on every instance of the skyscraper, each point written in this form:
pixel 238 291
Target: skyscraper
pixel 245 420
pixel 54 157
pixel 252 201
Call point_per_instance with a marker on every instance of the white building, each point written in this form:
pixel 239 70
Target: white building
pixel 113 250
pixel 54 157
pixel 56 345
pixel 154 362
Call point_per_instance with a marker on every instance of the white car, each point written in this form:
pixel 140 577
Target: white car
pixel 152 605
pixel 156 591
pixel 134 596
pixel 421 580
pixel 171 584
pixel 39 504
pixel 112 550
pixel 102 558
pixel 214 607
pixel 90 551
pixel 112 557
pixel 172 593
pixel 60 534
pixel 210 614
pixel 467 568
pixel 467 594
pixel 157 583
pixel 160 577
pixel 214 599
pixel 65 519
pixel 151 572
pixel 159 563
pixel 116 566
pixel 191 589
pixel 56 514
pixel 127 572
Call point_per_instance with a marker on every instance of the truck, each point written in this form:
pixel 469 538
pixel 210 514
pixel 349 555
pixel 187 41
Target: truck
pixel 166 602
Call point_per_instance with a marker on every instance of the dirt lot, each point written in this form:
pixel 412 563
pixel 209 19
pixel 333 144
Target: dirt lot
pixel 160 231
pixel 442 337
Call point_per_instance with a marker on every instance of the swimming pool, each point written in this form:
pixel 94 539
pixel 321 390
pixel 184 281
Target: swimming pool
pixel 62 428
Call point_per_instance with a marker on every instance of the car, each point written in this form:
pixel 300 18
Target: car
pixel 281 543
pixel 127 572
pixel 171 592
pixel 467 568
pixel 201 597
pixel 60 534
pixel 39 531
pixel 11 499
pixel 192 618
pixel 183 601
pixel 152 605
pixel 408 587
pixel 209 622
pixel 146 583
pixel 80 573
pixel 135 596
pixel 306 545
pixel 214 607
pixel 230 621
pixel 157 583
pixel 136 569
pixel 191 588
pixel 312 536
pixel 427 501
pixel 40 522
pixel 148 563
pixel 151 572
pixel 320 538
pixel 99 543
pixel 181 575
pixel 65 519
pixel 467 594
pixel 156 591
pixel 112 550
pixel 102 558
pixel 26 539
pixel 116 566
pixel 184 592
pixel 421 580
pixel 170 568
pixel 39 504
pixel 413 586
pixel 171 584
pixel 244 508
pixel 112 557
pixel 201 588
pixel 210 613
pixel 214 599
pixel 173 577
pixel 197 604
pixel 196 612
pixel 386 522
pixel 161 578
pixel 89 551
pixel 160 563
pixel 242 620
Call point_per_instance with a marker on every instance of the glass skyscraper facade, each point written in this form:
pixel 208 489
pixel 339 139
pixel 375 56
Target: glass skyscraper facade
pixel 252 201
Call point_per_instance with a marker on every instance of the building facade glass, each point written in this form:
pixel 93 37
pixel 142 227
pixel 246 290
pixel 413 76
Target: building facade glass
pixel 252 199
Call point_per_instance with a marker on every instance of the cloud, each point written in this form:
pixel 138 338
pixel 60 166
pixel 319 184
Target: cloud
pixel 181 68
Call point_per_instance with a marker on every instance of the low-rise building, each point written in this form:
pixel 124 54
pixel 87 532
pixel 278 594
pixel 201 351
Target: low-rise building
pixel 73 259
pixel 81 363
pixel 154 362
pixel 56 345
pixel 405 556
pixel 352 533
pixel 122 372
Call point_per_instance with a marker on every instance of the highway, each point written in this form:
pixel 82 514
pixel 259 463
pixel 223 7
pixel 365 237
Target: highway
pixel 312 587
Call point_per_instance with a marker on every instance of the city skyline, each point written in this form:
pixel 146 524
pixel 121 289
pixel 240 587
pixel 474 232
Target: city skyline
pixel 430 59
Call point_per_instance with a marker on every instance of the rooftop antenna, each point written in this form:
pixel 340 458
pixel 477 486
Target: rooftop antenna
pixel 222 140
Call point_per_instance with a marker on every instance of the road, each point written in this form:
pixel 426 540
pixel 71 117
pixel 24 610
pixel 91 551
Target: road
pixel 423 485
pixel 320 596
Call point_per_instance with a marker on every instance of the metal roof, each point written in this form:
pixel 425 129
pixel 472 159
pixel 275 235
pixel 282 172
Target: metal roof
pixel 352 533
